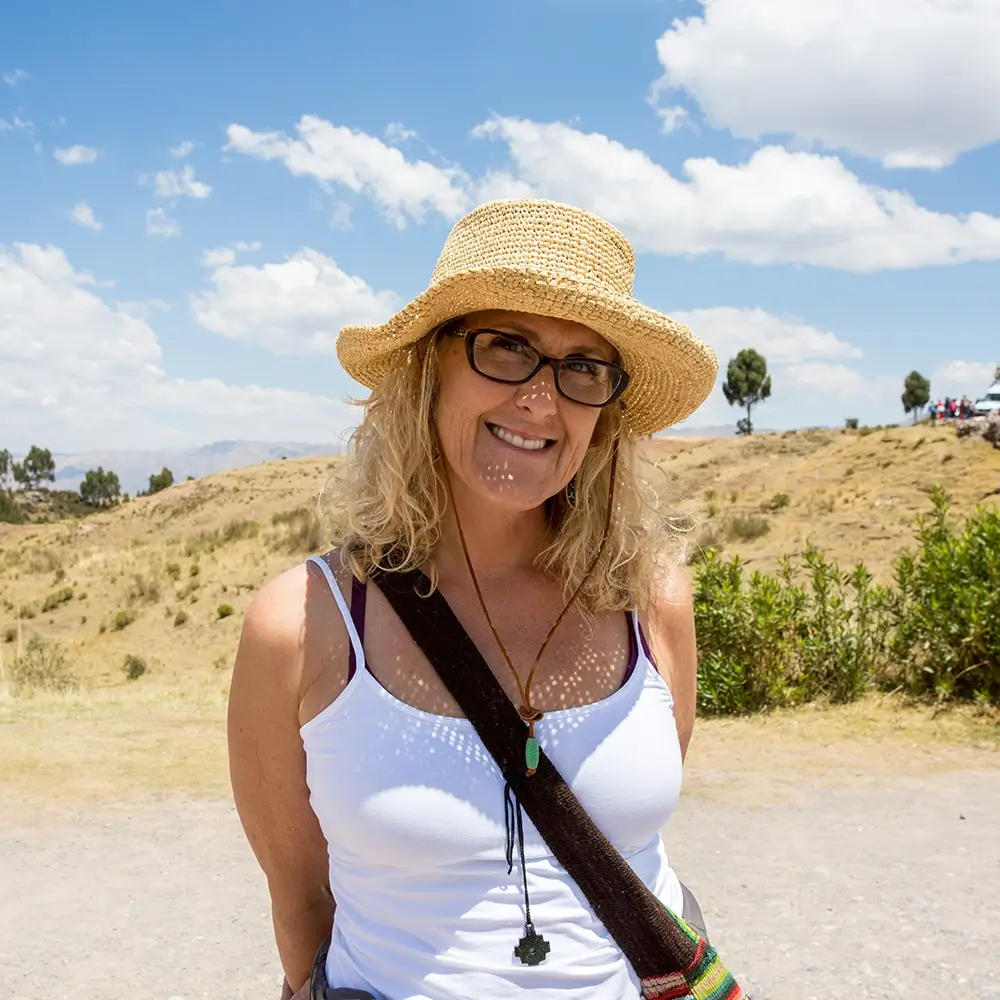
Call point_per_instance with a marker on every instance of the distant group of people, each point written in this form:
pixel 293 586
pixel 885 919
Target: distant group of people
pixel 950 409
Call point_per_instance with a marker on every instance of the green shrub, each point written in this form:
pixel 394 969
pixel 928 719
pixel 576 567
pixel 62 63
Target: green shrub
pixel 134 667
pixel 123 619
pixel 225 610
pixel 948 640
pixel 768 640
pixel 10 510
pixel 173 570
pixel 180 618
pixel 42 667
pixel 194 570
pixel 26 611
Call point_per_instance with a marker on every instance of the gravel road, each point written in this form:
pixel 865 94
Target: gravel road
pixel 857 893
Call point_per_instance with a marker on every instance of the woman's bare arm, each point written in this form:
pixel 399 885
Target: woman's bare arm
pixel 267 768
pixel 672 639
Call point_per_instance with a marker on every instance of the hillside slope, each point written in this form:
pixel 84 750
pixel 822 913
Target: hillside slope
pixel 149 577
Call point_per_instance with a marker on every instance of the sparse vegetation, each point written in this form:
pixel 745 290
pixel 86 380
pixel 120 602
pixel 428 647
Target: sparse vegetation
pixel 134 667
pixel 746 528
pixel 57 598
pixel 778 502
pixel 42 666
pixel 122 619
pixel 225 610
pixel 180 619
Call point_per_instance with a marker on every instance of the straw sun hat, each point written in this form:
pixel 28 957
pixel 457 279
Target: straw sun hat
pixel 552 260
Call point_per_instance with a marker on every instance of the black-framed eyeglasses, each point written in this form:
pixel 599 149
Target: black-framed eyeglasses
pixel 504 357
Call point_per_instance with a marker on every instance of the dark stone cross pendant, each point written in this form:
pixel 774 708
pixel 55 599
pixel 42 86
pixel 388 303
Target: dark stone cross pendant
pixel 532 948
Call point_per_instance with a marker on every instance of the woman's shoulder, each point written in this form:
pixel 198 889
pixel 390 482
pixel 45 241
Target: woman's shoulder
pixel 290 609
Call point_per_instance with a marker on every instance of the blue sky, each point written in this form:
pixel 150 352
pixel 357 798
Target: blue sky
pixel 194 198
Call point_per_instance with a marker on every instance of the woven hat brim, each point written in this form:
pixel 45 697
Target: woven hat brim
pixel 672 371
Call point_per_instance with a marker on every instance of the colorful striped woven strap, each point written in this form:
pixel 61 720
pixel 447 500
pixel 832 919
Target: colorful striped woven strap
pixel 707 978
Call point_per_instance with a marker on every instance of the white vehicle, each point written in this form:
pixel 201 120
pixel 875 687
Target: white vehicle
pixel 989 402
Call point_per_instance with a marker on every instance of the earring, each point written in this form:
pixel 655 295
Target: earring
pixel 571 492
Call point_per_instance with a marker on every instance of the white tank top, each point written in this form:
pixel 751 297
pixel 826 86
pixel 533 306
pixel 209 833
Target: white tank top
pixel 412 807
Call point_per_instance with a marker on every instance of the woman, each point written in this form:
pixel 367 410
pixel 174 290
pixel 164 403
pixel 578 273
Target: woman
pixel 506 400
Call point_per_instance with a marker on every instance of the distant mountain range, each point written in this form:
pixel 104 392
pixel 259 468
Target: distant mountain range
pixel 135 467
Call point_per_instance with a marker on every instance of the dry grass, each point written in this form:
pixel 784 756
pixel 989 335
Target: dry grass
pixel 851 493
pixel 60 753
pixel 147 580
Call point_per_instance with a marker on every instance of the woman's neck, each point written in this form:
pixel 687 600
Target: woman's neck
pixel 501 542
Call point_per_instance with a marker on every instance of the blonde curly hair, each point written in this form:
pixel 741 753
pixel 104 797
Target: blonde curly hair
pixel 389 504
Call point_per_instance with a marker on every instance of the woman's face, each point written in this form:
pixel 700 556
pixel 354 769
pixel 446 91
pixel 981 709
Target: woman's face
pixel 515 445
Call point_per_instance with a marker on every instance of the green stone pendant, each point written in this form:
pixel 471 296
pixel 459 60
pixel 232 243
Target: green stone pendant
pixel 531 755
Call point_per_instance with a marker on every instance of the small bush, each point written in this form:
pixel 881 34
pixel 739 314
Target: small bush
pixel 173 570
pixel 851 423
pixel 57 598
pixel 42 667
pixel 122 619
pixel 239 529
pixel 9 634
pixel 26 611
pixel 134 667
pixel 303 530
pixel 143 589
pixel 778 502
pixel 225 610
pixel 194 570
pixel 180 618
pixel 746 528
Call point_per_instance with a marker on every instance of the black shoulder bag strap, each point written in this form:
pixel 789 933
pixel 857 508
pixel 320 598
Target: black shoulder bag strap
pixel 663 953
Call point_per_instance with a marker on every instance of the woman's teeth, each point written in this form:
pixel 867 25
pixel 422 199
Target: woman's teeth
pixel 528 444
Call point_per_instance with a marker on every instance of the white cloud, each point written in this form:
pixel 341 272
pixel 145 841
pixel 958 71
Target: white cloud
pixel 158 223
pixel 17 124
pixel 181 150
pixel 781 339
pixel 174 184
pixel 963 378
pixel 336 155
pixel 15 76
pixel 223 256
pixel 294 308
pixel 74 156
pixel 779 206
pixel 83 215
pixel 397 132
pixel 78 373
pixel 910 82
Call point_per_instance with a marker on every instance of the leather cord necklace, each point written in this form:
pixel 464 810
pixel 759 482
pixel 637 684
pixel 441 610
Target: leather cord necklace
pixel 532 949
pixel 528 712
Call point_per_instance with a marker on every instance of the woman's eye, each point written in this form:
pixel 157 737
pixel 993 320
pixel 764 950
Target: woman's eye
pixel 508 344
pixel 584 367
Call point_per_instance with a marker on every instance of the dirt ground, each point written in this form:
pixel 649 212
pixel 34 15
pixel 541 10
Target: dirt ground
pixel 827 867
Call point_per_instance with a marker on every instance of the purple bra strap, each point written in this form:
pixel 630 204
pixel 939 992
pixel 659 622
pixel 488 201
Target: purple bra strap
pixel 359 593
pixel 645 647
pixel 633 650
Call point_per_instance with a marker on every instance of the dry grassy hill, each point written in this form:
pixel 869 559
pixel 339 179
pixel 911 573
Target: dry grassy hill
pixel 149 578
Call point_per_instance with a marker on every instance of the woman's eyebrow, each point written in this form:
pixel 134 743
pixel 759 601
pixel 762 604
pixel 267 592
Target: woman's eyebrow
pixel 587 350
